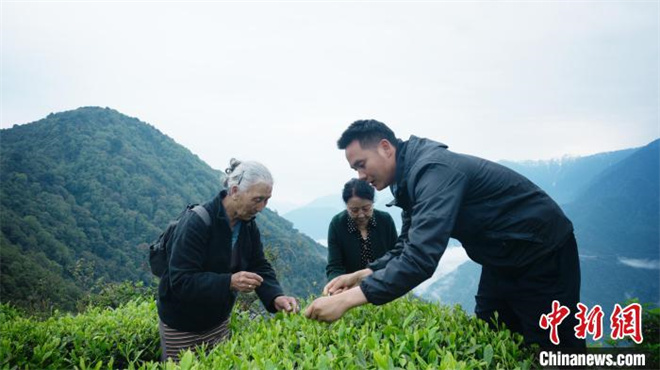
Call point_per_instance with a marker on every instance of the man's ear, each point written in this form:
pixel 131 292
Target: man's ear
pixel 387 148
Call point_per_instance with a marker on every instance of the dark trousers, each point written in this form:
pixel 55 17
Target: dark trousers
pixel 520 296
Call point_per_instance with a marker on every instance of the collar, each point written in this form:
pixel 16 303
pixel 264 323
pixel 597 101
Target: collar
pixel 222 212
pixel 397 186
pixel 352 226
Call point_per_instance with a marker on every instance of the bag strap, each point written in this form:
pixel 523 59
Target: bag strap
pixel 203 213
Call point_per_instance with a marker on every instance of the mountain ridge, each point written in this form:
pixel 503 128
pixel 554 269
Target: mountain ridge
pixel 84 190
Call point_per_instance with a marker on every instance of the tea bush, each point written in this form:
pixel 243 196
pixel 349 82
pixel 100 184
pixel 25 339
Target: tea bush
pixel 117 338
pixel 407 334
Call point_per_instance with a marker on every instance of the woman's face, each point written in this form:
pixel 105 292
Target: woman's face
pixel 360 210
pixel 252 201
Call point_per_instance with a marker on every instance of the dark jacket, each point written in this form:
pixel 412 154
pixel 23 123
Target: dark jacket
pixel 344 247
pixel 501 218
pixel 194 293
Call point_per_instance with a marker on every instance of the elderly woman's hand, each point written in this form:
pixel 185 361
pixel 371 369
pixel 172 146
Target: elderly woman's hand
pixel 286 304
pixel 245 281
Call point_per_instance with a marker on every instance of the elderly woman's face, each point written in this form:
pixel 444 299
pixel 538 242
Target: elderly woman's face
pixel 360 210
pixel 253 200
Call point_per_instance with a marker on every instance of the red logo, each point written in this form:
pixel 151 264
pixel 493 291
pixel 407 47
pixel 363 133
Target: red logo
pixel 589 322
pixel 624 322
pixel 553 319
pixel 627 322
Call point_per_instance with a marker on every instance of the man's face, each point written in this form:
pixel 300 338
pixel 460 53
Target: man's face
pixel 376 164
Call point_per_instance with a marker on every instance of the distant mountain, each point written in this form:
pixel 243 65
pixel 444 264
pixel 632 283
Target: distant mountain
pixel 565 178
pixel 619 212
pixel 314 218
pixel 83 191
pixel 617 220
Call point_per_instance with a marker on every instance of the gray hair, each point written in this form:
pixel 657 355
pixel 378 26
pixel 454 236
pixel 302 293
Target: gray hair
pixel 245 174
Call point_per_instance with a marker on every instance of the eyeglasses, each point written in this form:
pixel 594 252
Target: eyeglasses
pixel 364 209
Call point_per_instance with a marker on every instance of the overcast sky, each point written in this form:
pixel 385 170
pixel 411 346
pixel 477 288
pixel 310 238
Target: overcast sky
pixel 279 81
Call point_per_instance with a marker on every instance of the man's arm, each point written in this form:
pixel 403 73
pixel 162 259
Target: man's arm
pixel 332 308
pixel 436 196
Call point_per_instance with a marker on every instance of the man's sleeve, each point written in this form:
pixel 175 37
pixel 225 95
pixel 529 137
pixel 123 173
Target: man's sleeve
pixel 436 192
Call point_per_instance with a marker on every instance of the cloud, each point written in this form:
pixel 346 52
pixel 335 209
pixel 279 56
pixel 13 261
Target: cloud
pixel 641 263
pixel 450 261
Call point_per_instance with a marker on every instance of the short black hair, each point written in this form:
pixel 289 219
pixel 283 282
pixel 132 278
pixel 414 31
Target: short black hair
pixel 368 132
pixel 358 188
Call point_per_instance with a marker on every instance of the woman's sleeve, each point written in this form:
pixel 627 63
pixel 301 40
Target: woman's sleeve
pixel 270 288
pixel 188 280
pixel 335 265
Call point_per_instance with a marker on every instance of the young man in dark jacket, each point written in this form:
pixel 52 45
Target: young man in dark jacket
pixel 507 224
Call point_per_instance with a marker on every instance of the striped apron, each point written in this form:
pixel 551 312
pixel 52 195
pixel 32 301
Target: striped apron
pixel 173 341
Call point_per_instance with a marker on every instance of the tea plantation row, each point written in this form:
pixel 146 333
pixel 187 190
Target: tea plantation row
pixel 407 334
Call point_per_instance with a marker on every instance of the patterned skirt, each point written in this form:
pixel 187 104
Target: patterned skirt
pixel 173 341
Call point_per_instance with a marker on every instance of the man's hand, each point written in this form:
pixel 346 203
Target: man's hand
pixel 245 281
pixel 286 304
pixel 325 309
pixel 329 309
pixel 345 282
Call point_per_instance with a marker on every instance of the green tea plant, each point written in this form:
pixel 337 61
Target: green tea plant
pixel 113 295
pixel 117 338
pixel 405 334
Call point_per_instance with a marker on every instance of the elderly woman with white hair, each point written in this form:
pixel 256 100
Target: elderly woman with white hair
pixel 211 260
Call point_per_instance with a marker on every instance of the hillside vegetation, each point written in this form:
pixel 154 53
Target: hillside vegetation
pixel 83 192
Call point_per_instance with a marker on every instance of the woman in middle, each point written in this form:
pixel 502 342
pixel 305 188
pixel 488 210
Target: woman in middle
pixel 360 234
